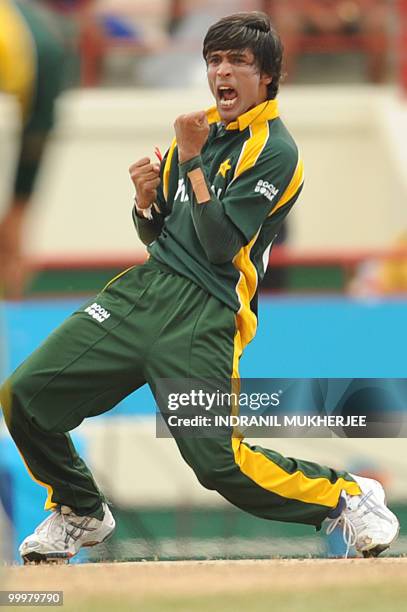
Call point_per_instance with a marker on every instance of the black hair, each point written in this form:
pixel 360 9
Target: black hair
pixel 253 31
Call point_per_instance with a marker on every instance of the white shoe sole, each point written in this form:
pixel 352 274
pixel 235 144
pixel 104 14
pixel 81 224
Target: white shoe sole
pixel 56 558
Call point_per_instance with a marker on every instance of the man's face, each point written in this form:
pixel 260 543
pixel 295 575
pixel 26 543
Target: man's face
pixel 235 82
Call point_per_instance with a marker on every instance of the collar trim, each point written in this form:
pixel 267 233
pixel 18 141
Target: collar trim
pixel 262 112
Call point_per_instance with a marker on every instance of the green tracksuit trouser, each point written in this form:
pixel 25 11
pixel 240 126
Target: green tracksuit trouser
pixel 155 324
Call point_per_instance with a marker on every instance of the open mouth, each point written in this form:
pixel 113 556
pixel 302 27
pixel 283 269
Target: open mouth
pixel 227 96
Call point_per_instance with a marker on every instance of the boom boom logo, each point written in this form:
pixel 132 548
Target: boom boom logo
pixel 267 189
pixel 97 312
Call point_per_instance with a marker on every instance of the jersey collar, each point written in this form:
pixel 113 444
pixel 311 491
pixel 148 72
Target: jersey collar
pixel 262 112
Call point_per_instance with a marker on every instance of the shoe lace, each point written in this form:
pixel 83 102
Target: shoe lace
pixel 54 524
pixel 353 521
pixel 349 531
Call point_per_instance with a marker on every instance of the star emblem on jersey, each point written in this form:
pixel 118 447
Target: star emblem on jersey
pixel 224 167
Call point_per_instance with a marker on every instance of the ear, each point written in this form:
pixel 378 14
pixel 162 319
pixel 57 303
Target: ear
pixel 266 79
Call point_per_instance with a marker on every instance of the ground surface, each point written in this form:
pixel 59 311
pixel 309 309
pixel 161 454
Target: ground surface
pixel 354 585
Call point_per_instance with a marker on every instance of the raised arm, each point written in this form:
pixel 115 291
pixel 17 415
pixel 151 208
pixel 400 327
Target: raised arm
pixel 148 215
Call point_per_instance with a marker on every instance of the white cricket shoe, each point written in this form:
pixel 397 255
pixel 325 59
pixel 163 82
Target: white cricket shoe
pixel 367 523
pixel 62 534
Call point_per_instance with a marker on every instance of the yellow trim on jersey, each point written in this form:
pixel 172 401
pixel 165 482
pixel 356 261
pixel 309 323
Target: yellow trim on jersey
pixel 167 169
pixel 237 352
pixel 17 56
pixel 252 148
pixel 246 288
pixel 262 112
pixel 270 476
pixel 235 381
pixel 247 283
pixel 294 185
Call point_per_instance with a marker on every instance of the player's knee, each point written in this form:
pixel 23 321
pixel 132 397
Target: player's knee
pixel 214 476
pixel 13 396
pixel 19 396
pixel 13 409
pixel 5 401
pixel 205 478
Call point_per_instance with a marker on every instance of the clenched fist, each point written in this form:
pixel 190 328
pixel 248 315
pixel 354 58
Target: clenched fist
pixel 146 179
pixel 191 132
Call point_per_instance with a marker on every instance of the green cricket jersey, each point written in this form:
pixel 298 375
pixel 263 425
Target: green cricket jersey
pixel 254 174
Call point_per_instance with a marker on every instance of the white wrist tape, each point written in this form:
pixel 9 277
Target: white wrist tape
pixel 144 212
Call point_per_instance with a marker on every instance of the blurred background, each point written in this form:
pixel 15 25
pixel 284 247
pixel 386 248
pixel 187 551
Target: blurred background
pixel 87 88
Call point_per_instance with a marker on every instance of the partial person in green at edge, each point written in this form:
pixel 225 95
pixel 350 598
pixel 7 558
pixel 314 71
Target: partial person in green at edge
pixel 36 54
pixel 208 215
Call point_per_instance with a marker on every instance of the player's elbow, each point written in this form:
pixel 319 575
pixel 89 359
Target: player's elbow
pixel 147 239
pixel 217 261
pixel 220 256
pixel 221 246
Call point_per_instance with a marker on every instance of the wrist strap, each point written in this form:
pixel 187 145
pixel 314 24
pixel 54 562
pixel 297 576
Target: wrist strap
pixel 144 212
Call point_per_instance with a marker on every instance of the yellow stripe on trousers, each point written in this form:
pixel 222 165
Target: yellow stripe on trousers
pixel 17 55
pixel 270 476
pixel 49 504
pixel 115 278
pixel 254 464
pixel 5 403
